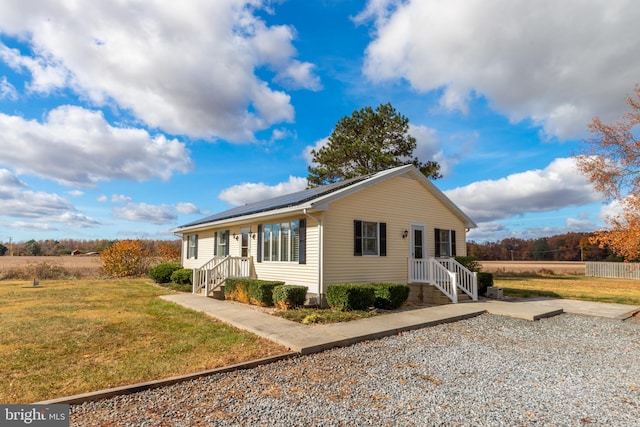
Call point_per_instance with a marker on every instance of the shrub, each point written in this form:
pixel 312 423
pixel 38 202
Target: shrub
pixel 289 296
pixel 390 296
pixel 469 262
pixel 484 281
pixel 125 258
pixel 350 296
pixel 250 291
pixel 162 272
pixel 182 276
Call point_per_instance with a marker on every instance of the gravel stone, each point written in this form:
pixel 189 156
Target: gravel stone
pixel 486 371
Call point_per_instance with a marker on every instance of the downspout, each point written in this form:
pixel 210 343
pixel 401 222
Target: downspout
pixel 320 257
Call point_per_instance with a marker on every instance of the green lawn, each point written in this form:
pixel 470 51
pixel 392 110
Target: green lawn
pixel 70 337
pixel 621 291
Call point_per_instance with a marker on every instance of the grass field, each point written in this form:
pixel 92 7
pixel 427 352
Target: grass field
pixel 621 291
pixel 70 337
pixel 38 267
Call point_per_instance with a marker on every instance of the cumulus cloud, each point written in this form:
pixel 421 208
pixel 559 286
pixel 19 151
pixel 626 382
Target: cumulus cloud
pixel 523 56
pixel 253 192
pixel 120 198
pixel 75 146
pixel 41 208
pixel 557 186
pixel 188 68
pixel 188 208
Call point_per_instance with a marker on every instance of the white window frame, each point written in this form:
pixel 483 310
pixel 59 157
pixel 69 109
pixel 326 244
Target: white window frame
pixel 273 233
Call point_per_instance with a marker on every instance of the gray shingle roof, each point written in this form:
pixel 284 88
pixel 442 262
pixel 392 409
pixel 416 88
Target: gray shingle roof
pixel 287 200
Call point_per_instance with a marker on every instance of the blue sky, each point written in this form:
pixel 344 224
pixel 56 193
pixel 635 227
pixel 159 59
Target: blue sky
pixel 126 120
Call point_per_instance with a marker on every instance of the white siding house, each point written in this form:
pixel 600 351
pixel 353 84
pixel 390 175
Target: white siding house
pixel 392 226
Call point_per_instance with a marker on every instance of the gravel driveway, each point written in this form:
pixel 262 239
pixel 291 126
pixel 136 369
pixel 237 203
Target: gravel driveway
pixel 490 370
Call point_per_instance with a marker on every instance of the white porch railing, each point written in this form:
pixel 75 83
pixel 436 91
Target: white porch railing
pixel 446 274
pixel 213 273
pixel 467 279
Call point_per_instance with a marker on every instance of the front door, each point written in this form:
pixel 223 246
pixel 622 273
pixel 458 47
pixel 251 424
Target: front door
pixel 245 249
pixel 418 241
pixel 418 254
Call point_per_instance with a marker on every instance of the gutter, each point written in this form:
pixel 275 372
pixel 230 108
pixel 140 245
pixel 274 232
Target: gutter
pixel 320 257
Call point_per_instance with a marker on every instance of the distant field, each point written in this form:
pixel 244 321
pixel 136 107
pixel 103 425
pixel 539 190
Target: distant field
pixel 575 268
pixel 78 266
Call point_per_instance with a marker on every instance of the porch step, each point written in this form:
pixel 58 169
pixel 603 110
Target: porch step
pixel 218 293
pixel 429 294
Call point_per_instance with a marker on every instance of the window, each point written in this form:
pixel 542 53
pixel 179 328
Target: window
pixel 445 243
pixel 192 246
pixel 282 241
pixel 369 238
pixel 222 243
pixel 244 241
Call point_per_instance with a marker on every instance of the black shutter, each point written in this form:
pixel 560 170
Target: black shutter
pixel 383 239
pixel 227 245
pixel 302 247
pixel 259 243
pixel 357 238
pixel 453 242
pixel 215 244
pixel 437 240
pixel 195 251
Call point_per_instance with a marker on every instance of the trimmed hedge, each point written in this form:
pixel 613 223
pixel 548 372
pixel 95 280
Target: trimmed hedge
pixel 250 291
pixel 286 297
pixel 351 296
pixel 183 276
pixel 484 281
pixel 162 272
pixel 390 296
pixel 360 296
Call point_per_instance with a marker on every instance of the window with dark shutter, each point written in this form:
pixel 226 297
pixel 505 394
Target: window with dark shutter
pixel 259 243
pixel 437 244
pixel 383 239
pixel 453 242
pixel 215 244
pixel 302 250
pixel 357 238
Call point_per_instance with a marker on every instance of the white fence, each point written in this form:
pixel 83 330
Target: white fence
pixel 613 270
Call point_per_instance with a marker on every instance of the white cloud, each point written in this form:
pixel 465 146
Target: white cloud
pixel 17 201
pixel 102 198
pixel 75 146
pixel 253 192
pixel 557 186
pixel 189 68
pixel 143 212
pixel 75 193
pixel 188 208
pixel 7 90
pixel 154 214
pixel 523 56
pixel 120 198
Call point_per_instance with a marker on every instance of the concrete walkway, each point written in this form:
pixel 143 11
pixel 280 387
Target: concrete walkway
pixel 306 339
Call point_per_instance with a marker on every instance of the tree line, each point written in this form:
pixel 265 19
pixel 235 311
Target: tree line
pixel 51 247
pixel 561 247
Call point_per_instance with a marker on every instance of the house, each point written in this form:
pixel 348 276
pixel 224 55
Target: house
pixel 391 226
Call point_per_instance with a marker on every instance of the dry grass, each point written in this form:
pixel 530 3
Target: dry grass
pixel 45 267
pixel 574 268
pixel 70 337
pixel 621 291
